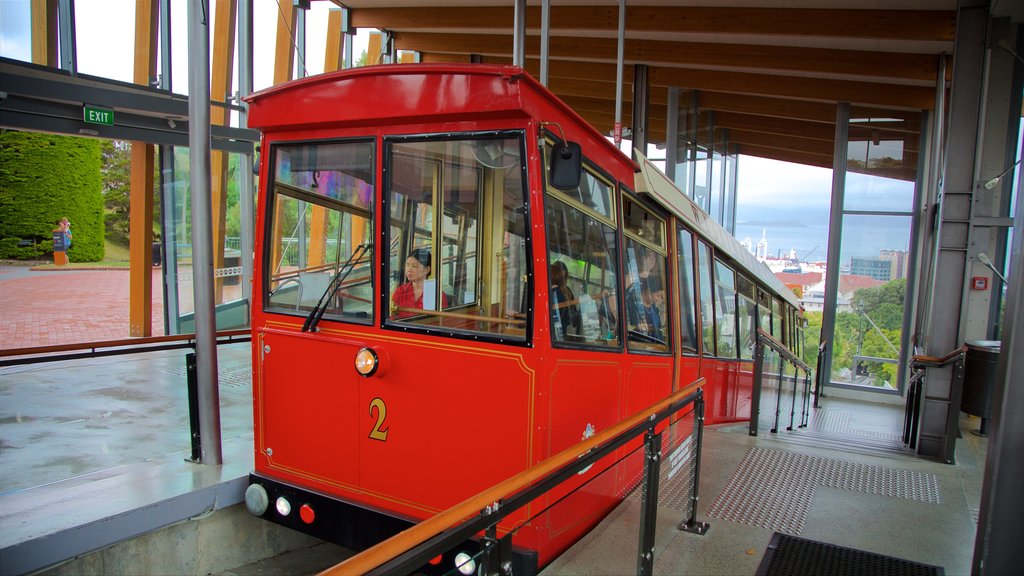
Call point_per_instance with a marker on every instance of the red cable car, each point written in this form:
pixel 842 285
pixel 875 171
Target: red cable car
pixel 458 277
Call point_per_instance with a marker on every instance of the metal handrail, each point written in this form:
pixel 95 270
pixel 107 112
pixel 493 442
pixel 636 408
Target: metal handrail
pixel 415 546
pixel 113 347
pixel 915 392
pixel 764 339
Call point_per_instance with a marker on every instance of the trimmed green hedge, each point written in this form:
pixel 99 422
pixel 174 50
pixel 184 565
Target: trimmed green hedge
pixel 44 177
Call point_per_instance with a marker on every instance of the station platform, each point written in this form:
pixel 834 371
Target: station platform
pixel 98 460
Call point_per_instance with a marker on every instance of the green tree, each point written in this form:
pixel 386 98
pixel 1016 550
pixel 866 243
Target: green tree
pixel 44 177
pixel 117 160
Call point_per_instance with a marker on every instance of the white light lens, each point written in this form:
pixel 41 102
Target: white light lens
pixel 366 361
pixel 465 563
pixel 283 506
pixel 256 500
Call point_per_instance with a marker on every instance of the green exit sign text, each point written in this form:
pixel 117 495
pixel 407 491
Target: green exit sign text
pixel 95 115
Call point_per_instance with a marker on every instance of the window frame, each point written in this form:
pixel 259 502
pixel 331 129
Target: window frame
pixel 271 195
pixel 389 321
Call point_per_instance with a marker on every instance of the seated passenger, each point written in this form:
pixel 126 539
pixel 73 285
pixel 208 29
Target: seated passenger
pixel 410 294
pixel 565 311
pixel 645 300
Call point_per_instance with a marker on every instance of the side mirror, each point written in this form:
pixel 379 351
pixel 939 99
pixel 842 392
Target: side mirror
pixel 566 165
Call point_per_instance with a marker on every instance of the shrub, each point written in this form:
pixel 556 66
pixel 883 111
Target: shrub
pixel 44 177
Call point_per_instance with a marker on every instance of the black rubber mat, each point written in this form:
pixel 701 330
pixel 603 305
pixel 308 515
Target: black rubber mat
pixel 792 556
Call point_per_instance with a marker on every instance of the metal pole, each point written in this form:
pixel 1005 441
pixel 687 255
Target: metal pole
pixel 300 41
pixel 835 235
pixel 691 524
pixel 169 238
pixel 792 404
pixel 755 394
pixel 202 229
pixel 649 502
pixel 245 176
pixel 672 133
pixel 545 39
pixel 519 34
pixel 348 36
pixel 68 47
pixel 618 73
pixel 778 396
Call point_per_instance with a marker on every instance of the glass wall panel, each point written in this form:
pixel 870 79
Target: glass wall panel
pixel 16 41
pixel 869 314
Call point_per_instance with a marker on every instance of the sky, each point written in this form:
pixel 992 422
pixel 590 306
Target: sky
pixel 788 203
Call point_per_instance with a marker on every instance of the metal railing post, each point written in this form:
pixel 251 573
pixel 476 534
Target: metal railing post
pixel 778 396
pixel 792 404
pixel 805 403
pixel 755 396
pixel 193 407
pixel 691 524
pixel 649 502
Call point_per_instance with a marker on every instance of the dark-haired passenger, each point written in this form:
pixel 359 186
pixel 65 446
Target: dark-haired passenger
pixel 417 274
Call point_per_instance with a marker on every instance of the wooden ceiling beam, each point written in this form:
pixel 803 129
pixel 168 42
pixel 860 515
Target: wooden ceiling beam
pixel 775 126
pixel 922 25
pixel 756 57
pixel 797 87
pixel 791 143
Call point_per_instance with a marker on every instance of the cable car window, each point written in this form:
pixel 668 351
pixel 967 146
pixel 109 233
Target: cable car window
pixel 725 310
pixel 707 308
pixel 645 296
pixel 457 245
pixel 746 316
pixel 321 218
pixel 688 324
pixel 583 272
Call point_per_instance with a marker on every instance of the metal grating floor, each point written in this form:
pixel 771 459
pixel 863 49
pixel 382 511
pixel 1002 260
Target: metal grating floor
pixel 774 488
pixel 792 556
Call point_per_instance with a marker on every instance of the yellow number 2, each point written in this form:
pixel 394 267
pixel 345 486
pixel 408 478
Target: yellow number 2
pixel 379 432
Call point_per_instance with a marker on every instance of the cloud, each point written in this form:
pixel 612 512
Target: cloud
pixel 765 182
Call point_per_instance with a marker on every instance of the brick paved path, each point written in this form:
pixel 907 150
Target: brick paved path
pixel 44 308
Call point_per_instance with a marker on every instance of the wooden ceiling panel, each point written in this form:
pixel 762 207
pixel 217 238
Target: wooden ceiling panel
pixel 770 76
pixel 902 25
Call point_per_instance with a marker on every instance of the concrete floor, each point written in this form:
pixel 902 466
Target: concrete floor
pixel 91 447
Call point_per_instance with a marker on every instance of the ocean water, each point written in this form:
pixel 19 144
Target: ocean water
pixel 863 236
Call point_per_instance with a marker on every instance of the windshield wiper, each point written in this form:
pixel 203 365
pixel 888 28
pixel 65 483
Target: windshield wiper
pixel 321 306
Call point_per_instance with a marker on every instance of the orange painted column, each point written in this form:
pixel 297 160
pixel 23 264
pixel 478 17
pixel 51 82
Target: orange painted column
pixel 140 218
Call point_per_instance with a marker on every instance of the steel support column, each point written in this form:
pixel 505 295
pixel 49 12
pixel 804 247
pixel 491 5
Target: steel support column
pixel 941 405
pixel 545 39
pixel 519 34
pixel 1000 530
pixel 202 229
pixel 672 133
pixel 618 73
pixel 641 97
pixel 835 235
pixel 246 196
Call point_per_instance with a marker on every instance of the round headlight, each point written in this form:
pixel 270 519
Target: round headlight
pixel 256 499
pixel 465 563
pixel 366 362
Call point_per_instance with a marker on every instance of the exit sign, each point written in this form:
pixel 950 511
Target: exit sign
pixel 96 115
